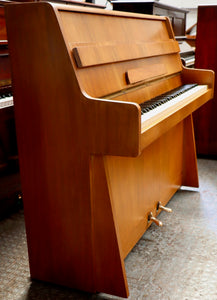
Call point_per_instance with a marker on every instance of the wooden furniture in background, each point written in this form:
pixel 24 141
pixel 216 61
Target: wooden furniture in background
pixel 205 119
pixel 93 169
pixel 9 170
pixel 6 108
pixel 191 35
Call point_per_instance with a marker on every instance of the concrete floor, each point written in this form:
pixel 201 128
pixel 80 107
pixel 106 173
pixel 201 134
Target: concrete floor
pixel 177 261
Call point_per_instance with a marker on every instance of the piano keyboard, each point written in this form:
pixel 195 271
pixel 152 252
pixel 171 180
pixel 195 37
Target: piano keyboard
pixel 166 103
pixel 6 100
pixel 189 61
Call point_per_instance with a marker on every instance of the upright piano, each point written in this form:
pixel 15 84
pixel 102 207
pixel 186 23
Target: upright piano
pixel 103 109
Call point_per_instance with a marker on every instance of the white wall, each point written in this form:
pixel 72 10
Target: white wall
pixel 104 2
pixel 177 3
pixel 191 5
pixel 188 3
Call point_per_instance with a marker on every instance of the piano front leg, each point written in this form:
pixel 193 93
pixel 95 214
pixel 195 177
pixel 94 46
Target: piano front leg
pixel 108 259
pixel 190 171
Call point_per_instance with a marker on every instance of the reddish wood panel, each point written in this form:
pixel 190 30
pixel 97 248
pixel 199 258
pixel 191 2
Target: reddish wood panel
pixel 205 119
pixel 3 34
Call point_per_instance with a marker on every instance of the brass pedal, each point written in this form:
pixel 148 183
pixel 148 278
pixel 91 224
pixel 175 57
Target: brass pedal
pixel 167 209
pixel 155 220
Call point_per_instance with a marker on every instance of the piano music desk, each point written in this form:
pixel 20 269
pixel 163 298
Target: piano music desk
pixel 92 171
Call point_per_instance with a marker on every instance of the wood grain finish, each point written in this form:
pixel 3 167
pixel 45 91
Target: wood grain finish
pixel 140 74
pixel 91 172
pixel 103 54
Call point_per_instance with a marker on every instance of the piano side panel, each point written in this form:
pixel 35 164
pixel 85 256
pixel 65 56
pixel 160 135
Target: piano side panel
pixel 54 162
pixel 54 148
pixel 109 270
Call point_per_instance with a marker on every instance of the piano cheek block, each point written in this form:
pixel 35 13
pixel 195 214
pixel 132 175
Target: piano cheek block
pixel 118 126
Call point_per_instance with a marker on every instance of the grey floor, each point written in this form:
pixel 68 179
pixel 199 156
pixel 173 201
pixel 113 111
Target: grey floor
pixel 176 261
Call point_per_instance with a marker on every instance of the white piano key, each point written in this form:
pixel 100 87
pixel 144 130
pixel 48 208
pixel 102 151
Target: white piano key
pixel 6 102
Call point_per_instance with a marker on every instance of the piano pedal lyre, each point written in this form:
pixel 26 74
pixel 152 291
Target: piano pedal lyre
pixel 160 206
pixel 155 220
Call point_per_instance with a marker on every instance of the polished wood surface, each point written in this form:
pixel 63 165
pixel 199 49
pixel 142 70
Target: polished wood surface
pixel 91 172
pixel 205 118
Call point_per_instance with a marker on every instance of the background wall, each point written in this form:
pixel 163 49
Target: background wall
pixel 188 3
pixel 178 3
pixel 191 5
